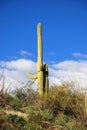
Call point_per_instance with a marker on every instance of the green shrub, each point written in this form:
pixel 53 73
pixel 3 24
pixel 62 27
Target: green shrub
pixel 63 109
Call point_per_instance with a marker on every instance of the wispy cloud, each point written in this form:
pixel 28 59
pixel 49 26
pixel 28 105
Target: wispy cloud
pixel 52 53
pixel 79 55
pixel 25 53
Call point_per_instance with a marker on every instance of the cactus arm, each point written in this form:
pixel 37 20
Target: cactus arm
pixel 32 76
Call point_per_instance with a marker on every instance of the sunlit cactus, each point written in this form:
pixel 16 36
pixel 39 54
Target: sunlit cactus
pixel 42 70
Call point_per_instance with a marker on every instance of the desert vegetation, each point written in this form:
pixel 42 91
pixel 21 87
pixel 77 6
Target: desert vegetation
pixel 62 109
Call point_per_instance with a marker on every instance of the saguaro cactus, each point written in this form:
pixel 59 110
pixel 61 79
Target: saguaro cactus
pixel 42 70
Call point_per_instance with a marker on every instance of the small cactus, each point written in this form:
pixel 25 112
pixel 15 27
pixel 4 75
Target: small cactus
pixel 42 70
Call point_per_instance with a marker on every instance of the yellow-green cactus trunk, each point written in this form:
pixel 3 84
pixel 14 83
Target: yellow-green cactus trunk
pixel 40 51
pixel 40 60
pixel 86 104
pixel 42 70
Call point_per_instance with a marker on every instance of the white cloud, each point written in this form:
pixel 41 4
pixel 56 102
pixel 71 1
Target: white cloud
pixel 15 72
pixel 79 55
pixel 25 53
pixel 72 66
pixel 75 71
pixel 54 80
pixel 20 64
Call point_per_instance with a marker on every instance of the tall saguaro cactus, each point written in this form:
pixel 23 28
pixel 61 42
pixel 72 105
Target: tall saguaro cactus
pixel 42 69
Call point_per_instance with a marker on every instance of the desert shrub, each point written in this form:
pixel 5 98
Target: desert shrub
pixel 5 124
pixel 32 126
pixel 26 93
pixel 76 105
pixel 16 121
pixel 14 103
pixel 62 109
pixel 2 99
pixel 47 115
pixel 62 99
pixel 64 122
pixel 56 100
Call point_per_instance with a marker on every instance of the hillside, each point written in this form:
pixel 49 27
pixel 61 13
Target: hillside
pixel 62 109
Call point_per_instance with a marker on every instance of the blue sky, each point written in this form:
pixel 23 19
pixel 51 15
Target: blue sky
pixel 64 28
pixel 64 31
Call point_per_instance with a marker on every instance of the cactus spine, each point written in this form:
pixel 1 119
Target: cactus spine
pixel 42 70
